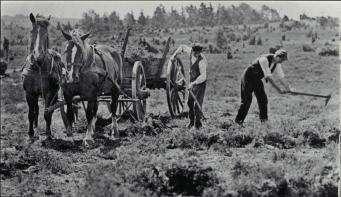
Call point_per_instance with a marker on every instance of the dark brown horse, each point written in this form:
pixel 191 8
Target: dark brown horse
pixel 94 70
pixel 41 74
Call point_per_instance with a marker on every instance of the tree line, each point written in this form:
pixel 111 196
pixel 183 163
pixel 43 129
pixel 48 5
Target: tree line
pixel 189 16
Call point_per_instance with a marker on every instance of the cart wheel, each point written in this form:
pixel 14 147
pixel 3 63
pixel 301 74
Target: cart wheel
pixel 176 87
pixel 139 85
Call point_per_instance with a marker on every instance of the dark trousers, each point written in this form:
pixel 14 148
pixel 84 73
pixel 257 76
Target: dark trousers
pixel 194 112
pixel 250 84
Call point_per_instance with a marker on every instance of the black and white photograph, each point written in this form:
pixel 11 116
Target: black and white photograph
pixel 170 98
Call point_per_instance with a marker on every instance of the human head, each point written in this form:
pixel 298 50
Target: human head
pixel 281 55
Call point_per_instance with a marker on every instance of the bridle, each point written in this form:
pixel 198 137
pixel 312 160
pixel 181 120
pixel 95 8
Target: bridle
pixel 83 62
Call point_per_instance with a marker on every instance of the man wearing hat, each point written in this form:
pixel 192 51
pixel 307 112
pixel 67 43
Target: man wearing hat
pixel 197 71
pixel 5 46
pixel 252 82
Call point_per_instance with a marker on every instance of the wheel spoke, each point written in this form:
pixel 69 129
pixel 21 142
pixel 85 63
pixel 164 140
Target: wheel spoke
pixel 180 101
pixel 173 101
pixel 178 106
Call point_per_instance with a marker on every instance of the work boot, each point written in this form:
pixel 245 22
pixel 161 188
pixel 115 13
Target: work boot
pixel 263 120
pixel 32 137
pixel 238 122
pixel 198 125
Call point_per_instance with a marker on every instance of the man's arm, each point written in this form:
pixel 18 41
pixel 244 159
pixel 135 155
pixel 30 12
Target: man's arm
pixel 274 85
pixel 286 85
pixel 282 78
pixel 264 63
pixel 182 49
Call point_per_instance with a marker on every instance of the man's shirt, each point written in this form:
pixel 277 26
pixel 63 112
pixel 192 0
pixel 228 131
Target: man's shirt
pixel 202 63
pixel 264 63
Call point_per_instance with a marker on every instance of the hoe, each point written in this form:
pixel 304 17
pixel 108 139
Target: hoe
pixel 196 103
pixel 313 95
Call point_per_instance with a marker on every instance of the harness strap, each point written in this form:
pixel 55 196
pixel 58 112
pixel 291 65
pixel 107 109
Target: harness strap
pixel 100 54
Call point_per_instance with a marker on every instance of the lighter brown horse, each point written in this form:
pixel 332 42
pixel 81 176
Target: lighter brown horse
pixel 94 71
pixel 42 74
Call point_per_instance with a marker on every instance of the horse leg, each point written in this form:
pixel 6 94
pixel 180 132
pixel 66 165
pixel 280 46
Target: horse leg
pixel 70 118
pixel 91 113
pixel 36 113
pixel 113 106
pixel 68 96
pixel 32 101
pixel 50 99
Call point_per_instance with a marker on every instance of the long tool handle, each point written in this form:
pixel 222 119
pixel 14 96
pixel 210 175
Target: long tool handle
pixel 125 44
pixel 197 103
pixel 163 59
pixel 309 94
pixel 328 97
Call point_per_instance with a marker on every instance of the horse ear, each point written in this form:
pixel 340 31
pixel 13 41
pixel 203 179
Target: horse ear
pixel 49 17
pixel 66 35
pixel 83 37
pixel 32 18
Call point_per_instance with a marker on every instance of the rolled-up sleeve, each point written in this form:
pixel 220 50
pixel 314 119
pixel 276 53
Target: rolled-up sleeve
pixel 264 63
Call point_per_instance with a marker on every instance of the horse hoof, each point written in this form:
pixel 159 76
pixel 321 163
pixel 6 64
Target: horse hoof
pixel 113 137
pixel 88 143
pixel 69 134
pixel 33 139
pixel 49 138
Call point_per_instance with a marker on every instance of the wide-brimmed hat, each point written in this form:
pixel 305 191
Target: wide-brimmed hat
pixel 282 54
pixel 197 47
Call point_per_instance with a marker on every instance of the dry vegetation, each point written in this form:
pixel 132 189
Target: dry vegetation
pixel 294 156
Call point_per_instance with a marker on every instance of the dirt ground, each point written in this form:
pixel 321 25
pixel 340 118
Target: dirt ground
pixel 294 155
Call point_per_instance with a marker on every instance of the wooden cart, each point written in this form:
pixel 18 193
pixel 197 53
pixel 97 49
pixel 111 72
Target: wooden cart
pixel 141 75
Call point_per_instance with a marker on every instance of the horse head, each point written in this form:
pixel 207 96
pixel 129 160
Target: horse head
pixel 77 52
pixel 39 36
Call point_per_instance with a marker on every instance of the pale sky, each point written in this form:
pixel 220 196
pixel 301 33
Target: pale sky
pixel 75 9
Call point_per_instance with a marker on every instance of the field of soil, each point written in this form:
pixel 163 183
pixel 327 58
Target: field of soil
pixel 294 155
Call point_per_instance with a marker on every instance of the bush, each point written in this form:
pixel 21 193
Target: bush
pixel 259 41
pixel 252 40
pixel 229 55
pixel 307 48
pixel 245 37
pixel 231 36
pixel 328 52
pixel 190 180
pixel 220 39
pixel 266 25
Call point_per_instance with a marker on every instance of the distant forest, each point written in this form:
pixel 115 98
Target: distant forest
pixel 189 16
pixel 16 28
